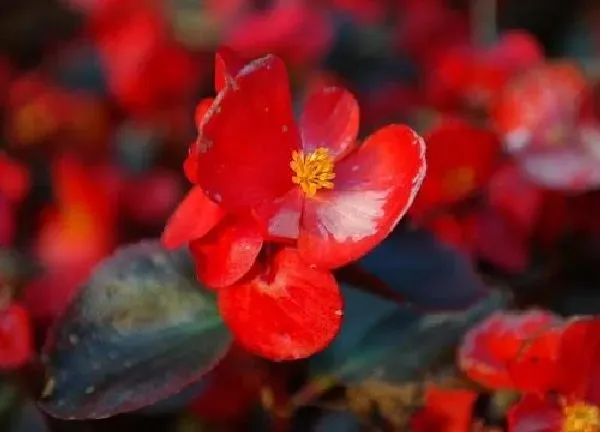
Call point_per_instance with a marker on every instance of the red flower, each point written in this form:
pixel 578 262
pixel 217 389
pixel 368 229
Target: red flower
pixel 307 183
pixel 16 339
pixel 14 181
pixel 461 158
pixel 512 350
pixel 445 411
pixel 575 405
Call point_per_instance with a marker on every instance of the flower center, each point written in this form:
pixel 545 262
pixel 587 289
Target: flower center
pixel 459 181
pixel 581 417
pixel 313 171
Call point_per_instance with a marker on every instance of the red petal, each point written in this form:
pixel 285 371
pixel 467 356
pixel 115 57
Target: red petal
pixel 578 360
pixel 281 217
pixel 535 414
pixel 373 189
pixel 227 253
pixel 512 350
pixel 195 216
pixel 293 314
pixel 330 119
pixel 445 411
pixel 16 342
pixel 190 165
pixel 227 66
pixel 248 137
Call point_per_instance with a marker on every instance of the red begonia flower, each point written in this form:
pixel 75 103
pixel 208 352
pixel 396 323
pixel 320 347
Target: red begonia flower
pixel 306 181
pixel 461 158
pixel 16 338
pixel 575 405
pixel 286 311
pixel 493 354
pixel 445 411
pixel 539 109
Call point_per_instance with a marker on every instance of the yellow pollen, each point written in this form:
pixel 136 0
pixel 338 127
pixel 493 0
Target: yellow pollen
pixel 581 417
pixel 459 181
pixel 313 171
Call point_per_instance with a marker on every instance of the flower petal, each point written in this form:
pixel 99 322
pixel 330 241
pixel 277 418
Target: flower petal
pixel 330 119
pixel 195 216
pixel 373 189
pixel 578 359
pixel 512 350
pixel 227 66
pixel 281 217
pixel 190 165
pixel 247 138
pixel 291 312
pixel 535 413
pixel 228 252
pixel 445 410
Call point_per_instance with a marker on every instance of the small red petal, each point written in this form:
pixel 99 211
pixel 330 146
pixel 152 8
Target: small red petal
pixel 16 341
pixel 227 252
pixel 512 350
pixel 247 138
pixel 330 119
pixel 227 66
pixel 535 413
pixel 445 411
pixel 373 189
pixel 292 315
pixel 195 216
pixel 201 110
pixel 578 360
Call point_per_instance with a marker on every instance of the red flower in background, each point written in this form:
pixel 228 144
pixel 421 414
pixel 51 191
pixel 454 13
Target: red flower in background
pixel 293 30
pixel 575 405
pixel 16 336
pixel 466 76
pixel 512 351
pixel 14 186
pixel 146 71
pixel 445 411
pixel 77 231
pixel 461 159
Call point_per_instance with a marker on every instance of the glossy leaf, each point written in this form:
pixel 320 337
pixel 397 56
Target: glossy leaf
pixel 403 344
pixel 141 330
pixel 425 271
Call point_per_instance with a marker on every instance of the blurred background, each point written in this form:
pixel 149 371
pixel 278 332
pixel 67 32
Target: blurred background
pixel 96 115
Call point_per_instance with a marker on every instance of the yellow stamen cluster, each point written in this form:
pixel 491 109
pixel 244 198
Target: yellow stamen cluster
pixel 313 171
pixel 581 417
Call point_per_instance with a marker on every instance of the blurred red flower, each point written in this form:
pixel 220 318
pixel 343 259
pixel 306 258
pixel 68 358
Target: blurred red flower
pixel 513 350
pixel 574 404
pixel 445 411
pixel 16 336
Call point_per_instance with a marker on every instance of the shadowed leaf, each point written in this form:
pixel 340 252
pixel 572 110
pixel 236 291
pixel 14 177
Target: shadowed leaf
pixel 140 331
pixel 425 271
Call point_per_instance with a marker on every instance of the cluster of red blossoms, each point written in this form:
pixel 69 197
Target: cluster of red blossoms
pixel 552 362
pixel 278 203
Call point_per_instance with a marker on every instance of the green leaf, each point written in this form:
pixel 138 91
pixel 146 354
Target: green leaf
pixel 403 345
pixel 139 331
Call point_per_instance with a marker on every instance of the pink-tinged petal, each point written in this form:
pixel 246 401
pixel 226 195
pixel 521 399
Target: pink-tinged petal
pixel 247 138
pixel 373 189
pixel 281 217
pixel 535 413
pixel 228 252
pixel 330 119
pixel 512 350
pixel 195 216
pixel 579 356
pixel 227 66
pixel 568 169
pixel 287 311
